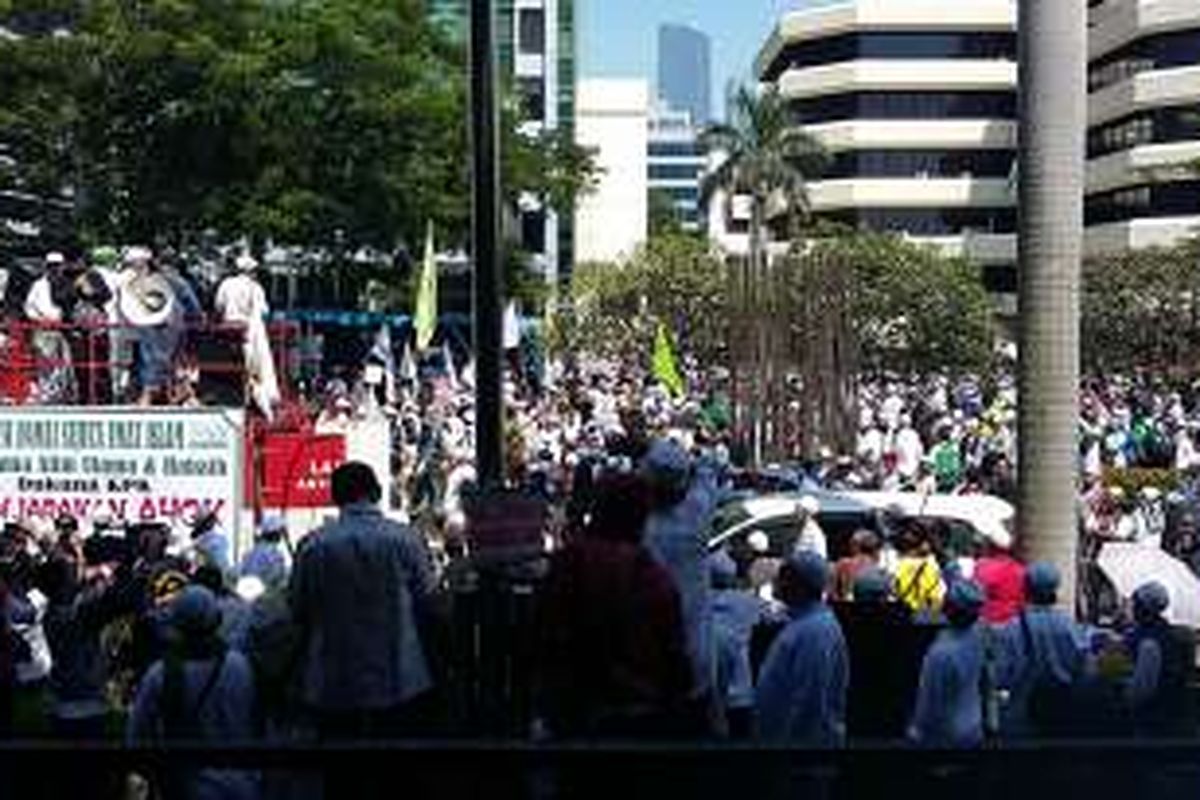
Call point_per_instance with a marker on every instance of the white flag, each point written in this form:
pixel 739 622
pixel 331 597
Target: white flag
pixel 451 371
pixel 512 326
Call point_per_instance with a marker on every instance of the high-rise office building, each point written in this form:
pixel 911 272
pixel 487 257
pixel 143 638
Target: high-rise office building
pixel 1143 123
pixel 916 103
pixel 537 50
pixel 685 71
pixel 676 162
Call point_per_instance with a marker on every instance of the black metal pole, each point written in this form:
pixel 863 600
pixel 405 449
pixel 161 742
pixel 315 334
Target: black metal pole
pixel 488 284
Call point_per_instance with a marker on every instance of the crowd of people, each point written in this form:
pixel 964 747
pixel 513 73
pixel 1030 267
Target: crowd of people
pixel 124 326
pixel 642 632
pixel 642 629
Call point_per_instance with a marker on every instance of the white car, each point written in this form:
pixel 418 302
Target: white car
pixel 959 523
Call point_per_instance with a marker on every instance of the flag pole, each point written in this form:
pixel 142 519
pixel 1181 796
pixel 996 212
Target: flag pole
pixel 488 287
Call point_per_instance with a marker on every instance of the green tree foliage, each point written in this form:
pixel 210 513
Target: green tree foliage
pixel 769 160
pixel 287 120
pixel 663 214
pixel 1141 310
pixel 676 279
pixel 861 302
pixel 911 307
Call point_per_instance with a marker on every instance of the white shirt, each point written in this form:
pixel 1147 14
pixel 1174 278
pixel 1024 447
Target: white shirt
pixel 1185 451
pixel 890 412
pixel 812 539
pixel 909 451
pixel 459 477
pixel 240 298
pixel 870 445
pixel 39 303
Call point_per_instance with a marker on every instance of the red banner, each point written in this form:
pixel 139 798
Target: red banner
pixel 296 469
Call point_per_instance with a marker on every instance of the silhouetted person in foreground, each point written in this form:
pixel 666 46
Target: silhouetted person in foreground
pixel 1042 662
pixel 359 589
pixel 801 697
pixel 1158 692
pixel 949 710
pixel 614 654
pixel 886 649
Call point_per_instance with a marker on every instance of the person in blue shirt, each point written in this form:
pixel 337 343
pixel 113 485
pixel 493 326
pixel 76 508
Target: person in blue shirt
pixel 1042 656
pixel 801 695
pixel 949 708
pixel 268 558
pixel 735 613
pixel 211 544
pixel 361 591
pixel 684 499
pixel 201 692
pixel 1157 692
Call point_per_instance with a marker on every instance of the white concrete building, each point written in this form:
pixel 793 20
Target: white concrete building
pixel 1143 123
pixel 612 116
pixel 916 103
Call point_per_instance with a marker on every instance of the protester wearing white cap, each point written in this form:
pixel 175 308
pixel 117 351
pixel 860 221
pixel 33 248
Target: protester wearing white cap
pixel 43 306
pixel 241 301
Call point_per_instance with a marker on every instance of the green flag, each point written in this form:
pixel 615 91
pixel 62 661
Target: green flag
pixel 426 313
pixel 663 365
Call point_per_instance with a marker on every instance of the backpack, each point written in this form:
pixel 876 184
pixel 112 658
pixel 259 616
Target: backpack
pixel 274 646
pixel 1050 703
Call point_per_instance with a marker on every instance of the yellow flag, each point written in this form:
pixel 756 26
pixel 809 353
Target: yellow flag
pixel 426 313
pixel 663 365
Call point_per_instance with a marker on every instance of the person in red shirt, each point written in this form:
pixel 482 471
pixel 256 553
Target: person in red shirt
pixel 1002 578
pixel 18 366
pixel 865 549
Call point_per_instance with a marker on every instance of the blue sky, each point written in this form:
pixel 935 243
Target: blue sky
pixel 618 37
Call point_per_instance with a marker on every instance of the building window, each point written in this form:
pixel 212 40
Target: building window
pixel 984 45
pixel 533 231
pixel 675 172
pixel 681 194
pixel 1000 278
pixel 1160 126
pixel 675 149
pixel 906 105
pixel 532 31
pixel 1176 199
pixel 1163 51
pixel 921 163
pixel 533 99
pixel 930 221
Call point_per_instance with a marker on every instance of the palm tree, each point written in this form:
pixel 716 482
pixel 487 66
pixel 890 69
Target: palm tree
pixel 769 160
pixel 1053 119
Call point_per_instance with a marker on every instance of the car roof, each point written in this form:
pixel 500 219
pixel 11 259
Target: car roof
pixel 988 514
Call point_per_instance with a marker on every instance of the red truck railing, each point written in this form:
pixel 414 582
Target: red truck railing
pixel 94 363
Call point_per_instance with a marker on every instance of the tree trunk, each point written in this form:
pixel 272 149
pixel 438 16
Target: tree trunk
pixel 1053 120
pixel 757 369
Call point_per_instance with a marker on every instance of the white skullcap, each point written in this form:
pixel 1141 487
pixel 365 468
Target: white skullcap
pixel 758 541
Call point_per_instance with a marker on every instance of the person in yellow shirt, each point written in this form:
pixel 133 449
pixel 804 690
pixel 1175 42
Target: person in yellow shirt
pixel 918 579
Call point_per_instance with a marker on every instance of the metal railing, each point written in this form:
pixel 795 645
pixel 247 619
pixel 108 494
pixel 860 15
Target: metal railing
pixel 97 360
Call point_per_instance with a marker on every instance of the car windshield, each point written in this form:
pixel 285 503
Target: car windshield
pixel 728 516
